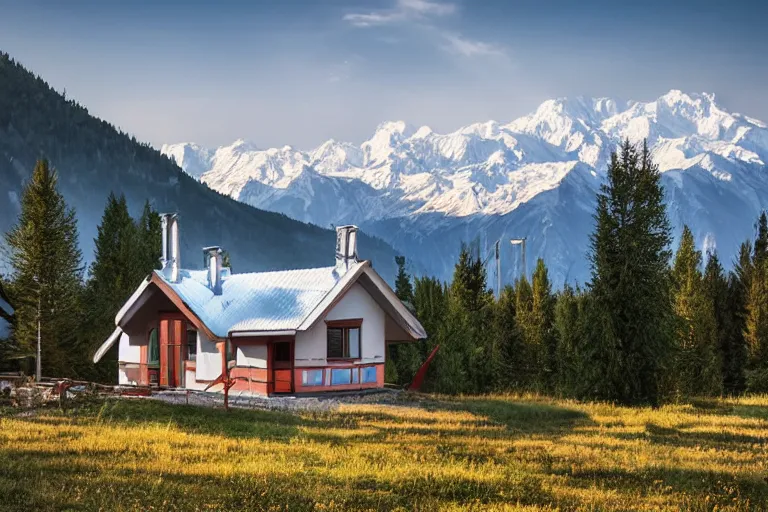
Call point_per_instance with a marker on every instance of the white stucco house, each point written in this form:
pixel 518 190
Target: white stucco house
pixel 293 331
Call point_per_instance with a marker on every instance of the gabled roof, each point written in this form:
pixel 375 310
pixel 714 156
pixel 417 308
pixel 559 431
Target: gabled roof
pixel 261 303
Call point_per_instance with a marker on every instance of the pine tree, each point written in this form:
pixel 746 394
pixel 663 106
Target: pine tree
pixel 738 285
pixel 468 360
pixel 403 286
pixel 47 275
pixel 431 304
pixel 543 313
pixel 718 289
pixel 226 260
pixel 756 306
pixel 630 308
pixel 403 360
pixel 116 271
pixel 510 341
pixel 698 366
pixel 151 243
pixel 528 367
pixel 568 326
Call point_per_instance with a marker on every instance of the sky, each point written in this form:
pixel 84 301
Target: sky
pixel 298 73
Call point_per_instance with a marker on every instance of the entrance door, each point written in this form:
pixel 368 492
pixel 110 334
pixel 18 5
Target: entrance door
pixel 171 338
pixel 282 366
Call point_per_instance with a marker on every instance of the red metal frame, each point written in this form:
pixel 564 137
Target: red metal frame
pixel 418 380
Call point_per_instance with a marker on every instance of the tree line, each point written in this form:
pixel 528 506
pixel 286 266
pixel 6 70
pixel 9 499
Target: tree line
pixel 650 326
pixel 55 297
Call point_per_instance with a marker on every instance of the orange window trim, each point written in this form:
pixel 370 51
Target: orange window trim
pixel 351 322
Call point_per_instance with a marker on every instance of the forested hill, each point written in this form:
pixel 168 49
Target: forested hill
pixel 93 158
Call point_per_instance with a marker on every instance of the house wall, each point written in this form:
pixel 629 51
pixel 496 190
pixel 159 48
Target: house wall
pixel 209 362
pixel 314 373
pixel 312 345
pixel 129 356
pixel 254 356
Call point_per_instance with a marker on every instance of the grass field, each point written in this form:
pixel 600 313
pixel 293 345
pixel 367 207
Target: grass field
pixel 495 453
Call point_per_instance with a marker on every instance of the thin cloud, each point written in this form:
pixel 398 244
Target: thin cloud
pixel 403 11
pixel 425 15
pixel 470 48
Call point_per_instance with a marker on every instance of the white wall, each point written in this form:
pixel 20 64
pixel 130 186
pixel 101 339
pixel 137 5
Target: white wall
pixel 129 349
pixel 312 345
pixel 208 364
pixel 191 383
pixel 254 356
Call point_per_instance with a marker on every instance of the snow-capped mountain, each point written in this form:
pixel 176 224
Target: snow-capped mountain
pixel 536 176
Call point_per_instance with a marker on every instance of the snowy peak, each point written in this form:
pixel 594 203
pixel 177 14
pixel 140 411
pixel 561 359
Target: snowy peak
pixel 194 159
pixel 484 168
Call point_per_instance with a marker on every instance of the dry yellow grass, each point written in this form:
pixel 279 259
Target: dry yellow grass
pixel 484 453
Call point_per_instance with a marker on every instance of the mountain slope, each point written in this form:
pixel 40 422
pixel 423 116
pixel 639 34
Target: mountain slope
pixel 536 176
pixel 93 158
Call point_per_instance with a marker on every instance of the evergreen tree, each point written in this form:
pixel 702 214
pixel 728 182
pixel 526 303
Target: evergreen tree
pixel 543 315
pixel 510 341
pixel 568 326
pixel 698 366
pixel 150 242
pixel 738 285
pixel 226 262
pixel 528 367
pixel 719 290
pixel 468 360
pixel 47 275
pixel 403 360
pixel 403 287
pixel 431 304
pixel 630 307
pixel 756 309
pixel 118 267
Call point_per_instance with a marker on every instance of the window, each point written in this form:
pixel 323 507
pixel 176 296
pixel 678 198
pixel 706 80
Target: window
pixel 153 356
pixel 344 339
pixel 191 345
pixel 369 374
pixel 282 352
pixel 312 377
pixel 341 376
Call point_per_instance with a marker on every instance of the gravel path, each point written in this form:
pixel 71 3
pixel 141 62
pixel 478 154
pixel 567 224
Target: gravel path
pixel 328 402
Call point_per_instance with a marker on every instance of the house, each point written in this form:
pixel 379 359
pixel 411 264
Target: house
pixel 292 331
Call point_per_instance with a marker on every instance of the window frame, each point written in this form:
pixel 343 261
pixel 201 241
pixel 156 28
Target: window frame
pixel 187 354
pixel 345 326
pixel 156 362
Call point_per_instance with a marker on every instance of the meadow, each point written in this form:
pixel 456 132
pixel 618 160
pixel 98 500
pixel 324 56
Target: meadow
pixel 428 453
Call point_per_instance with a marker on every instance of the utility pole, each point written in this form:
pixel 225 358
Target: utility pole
pixel 521 242
pixel 38 365
pixel 498 269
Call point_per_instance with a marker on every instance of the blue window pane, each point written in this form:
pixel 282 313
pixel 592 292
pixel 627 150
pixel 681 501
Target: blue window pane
pixel 369 374
pixel 341 376
pixel 312 377
pixel 355 375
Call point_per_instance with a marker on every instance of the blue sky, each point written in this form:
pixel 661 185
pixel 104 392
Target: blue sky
pixel 301 72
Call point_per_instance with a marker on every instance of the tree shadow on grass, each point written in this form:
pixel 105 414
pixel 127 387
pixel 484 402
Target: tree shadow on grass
pixel 703 489
pixel 83 486
pixel 526 417
pixel 680 438
pixel 236 423
pixel 720 407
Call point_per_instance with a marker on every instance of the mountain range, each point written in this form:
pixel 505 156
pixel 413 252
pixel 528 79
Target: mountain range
pixel 426 193
pixel 93 158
